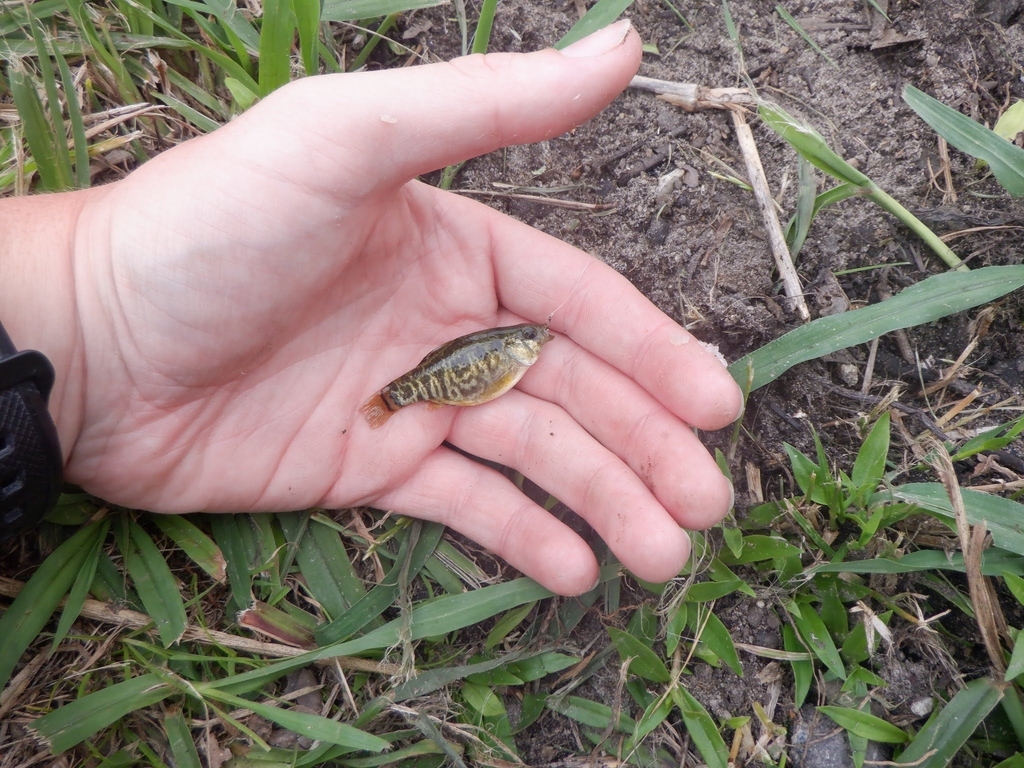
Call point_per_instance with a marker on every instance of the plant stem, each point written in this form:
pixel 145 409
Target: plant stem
pixel 892 206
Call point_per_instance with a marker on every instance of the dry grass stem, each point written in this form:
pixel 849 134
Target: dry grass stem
pixel 783 258
pixel 987 612
pixel 111 614
pixel 693 97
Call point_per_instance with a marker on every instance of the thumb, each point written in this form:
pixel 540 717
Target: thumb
pixel 380 129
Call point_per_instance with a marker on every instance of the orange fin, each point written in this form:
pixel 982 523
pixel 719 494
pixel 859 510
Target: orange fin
pixel 431 405
pixel 376 411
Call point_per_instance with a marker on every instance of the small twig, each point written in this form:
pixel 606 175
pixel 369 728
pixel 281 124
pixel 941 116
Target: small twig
pixel 783 258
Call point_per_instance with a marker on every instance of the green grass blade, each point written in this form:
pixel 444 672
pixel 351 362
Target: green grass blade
pixel 590 713
pixel 1001 516
pixel 1005 159
pixel 276 37
pixel 438 617
pixel 941 739
pixel 324 564
pixel 702 729
pixel 788 18
pixel 646 662
pixel 154 582
pixel 817 638
pixel 382 596
pixel 234 537
pixel 28 614
pixel 230 15
pixel 371 44
pixel 354 10
pixel 78 720
pixel 810 144
pixel 304 724
pixel 231 67
pixel 37 130
pixel 936 297
pixel 482 36
pixel 600 15
pixel 62 156
pixel 307 17
pixel 82 178
pixel 806 198
pixel 203 551
pixel 79 592
pixel 179 738
pixel 865 724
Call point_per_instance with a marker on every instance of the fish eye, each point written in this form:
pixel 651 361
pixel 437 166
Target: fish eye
pixel 529 334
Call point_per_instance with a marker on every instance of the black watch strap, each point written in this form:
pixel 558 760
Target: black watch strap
pixel 31 462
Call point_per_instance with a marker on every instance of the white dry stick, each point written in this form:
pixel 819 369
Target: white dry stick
pixel 691 96
pixel 755 173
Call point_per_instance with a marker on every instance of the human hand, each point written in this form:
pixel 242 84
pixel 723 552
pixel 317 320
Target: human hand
pixel 240 296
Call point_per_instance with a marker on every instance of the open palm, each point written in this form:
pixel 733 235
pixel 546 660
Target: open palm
pixel 242 295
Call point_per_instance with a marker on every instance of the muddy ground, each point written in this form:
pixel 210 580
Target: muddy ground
pixel 702 255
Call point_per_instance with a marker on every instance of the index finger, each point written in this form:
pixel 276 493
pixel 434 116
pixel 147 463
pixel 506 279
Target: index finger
pixel 606 314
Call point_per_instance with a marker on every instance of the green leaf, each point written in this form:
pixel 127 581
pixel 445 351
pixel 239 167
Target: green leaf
pixel 944 735
pixel 382 596
pixel 482 699
pixel 79 592
pixel 716 637
pixel 1016 666
pixel 37 130
pixel 354 10
pixel 179 738
pixel 506 624
pixel 702 729
pixel 589 713
pixel 1011 122
pixel 936 297
pixel 803 670
pixel 304 724
pixel 307 16
pixel 22 622
pixel 1001 516
pixel 811 146
pixel 154 582
pixel 432 619
pixel 1005 159
pixel 646 662
pixel 817 638
pixel 276 37
pixel 82 718
pixel 536 667
pixel 870 463
pixel 600 15
pixel 202 550
pixel 865 724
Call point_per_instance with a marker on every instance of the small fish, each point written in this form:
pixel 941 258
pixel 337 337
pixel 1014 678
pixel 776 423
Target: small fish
pixel 469 370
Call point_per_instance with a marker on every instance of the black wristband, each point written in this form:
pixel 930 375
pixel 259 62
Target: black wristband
pixel 31 462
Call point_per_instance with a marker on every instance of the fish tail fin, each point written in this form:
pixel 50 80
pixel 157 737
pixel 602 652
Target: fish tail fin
pixel 376 411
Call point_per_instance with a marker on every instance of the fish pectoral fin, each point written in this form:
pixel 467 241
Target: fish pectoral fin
pixel 434 406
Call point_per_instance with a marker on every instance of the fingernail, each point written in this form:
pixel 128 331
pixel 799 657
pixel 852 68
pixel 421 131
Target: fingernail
pixel 732 496
pixel 600 42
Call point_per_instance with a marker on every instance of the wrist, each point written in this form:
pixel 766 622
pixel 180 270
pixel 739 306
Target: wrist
pixel 37 296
